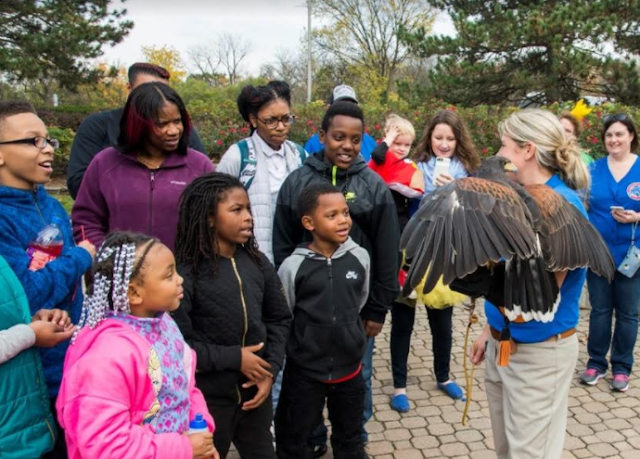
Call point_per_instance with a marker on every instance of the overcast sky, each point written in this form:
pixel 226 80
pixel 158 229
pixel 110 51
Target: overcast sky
pixel 269 25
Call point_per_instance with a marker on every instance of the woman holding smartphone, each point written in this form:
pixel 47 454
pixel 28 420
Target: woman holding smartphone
pixel 614 206
pixel 444 153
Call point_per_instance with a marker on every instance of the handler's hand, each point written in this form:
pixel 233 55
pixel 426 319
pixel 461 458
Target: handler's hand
pixel 477 350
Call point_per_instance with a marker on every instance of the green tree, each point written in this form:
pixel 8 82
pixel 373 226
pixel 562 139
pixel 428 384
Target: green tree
pixel 507 50
pixel 622 81
pixel 49 41
pixel 364 33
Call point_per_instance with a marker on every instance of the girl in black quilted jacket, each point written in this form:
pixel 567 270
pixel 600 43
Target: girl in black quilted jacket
pixel 233 313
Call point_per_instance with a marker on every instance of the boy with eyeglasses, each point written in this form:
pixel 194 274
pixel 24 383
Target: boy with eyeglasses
pixel 26 159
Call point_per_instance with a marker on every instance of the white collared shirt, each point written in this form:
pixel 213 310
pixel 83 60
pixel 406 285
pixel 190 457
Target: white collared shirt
pixel 276 165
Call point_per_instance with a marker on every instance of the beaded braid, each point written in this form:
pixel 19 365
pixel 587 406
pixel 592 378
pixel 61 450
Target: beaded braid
pixel 111 282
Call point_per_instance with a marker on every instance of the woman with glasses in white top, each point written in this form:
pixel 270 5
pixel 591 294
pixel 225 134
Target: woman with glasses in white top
pixel 263 160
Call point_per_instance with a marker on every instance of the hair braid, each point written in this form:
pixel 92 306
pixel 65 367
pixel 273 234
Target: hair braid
pixel 196 238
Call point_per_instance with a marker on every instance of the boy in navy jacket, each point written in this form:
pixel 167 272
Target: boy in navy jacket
pixel 326 284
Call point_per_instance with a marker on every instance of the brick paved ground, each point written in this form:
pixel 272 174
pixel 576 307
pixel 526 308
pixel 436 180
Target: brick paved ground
pixel 601 424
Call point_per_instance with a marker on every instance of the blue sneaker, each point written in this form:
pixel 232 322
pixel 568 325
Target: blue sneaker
pixel 452 389
pixel 400 403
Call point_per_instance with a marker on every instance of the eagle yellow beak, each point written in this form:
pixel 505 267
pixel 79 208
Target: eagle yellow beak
pixel 510 167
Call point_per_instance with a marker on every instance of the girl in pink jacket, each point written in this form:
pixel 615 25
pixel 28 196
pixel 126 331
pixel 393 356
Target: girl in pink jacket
pixel 128 387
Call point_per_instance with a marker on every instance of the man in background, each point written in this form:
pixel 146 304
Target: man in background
pixel 101 130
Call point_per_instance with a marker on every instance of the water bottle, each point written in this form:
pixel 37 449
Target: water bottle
pixel 47 246
pixel 198 425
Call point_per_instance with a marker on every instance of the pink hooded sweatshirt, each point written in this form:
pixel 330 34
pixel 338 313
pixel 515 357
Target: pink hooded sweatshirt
pixel 108 391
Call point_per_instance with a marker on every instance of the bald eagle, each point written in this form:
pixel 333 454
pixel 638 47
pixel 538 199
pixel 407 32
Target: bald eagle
pixel 475 227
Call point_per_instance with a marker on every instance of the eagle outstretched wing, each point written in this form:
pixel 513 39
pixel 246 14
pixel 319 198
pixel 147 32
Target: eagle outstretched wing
pixel 462 226
pixel 568 240
pixel 473 223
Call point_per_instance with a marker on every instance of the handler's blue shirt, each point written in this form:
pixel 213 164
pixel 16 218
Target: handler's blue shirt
pixel 568 310
pixel 606 192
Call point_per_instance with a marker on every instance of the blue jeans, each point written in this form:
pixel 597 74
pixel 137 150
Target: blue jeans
pixel 367 374
pixel 623 297
pixel 319 435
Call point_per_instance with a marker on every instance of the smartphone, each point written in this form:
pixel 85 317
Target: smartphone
pixel 442 167
pixel 616 208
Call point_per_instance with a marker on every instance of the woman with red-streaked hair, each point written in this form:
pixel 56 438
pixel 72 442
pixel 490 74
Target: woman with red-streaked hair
pixel 136 186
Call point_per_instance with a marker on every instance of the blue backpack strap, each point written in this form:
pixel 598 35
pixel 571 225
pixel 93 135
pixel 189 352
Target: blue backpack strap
pixel 248 163
pixel 301 152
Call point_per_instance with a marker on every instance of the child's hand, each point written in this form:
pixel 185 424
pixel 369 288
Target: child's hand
pixel 264 389
pixel 49 334
pixel 371 328
pixel 56 316
pixel 89 247
pixel 202 445
pixel 252 366
pixel 391 135
pixel 443 179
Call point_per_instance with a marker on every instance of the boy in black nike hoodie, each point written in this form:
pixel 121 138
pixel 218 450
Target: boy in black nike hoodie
pixel 326 284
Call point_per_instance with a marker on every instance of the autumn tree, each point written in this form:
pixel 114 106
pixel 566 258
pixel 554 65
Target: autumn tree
pixel 363 34
pixel 50 41
pixel 112 89
pixel 507 50
pixel 167 57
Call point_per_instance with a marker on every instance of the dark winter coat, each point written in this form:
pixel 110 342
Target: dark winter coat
pixel 327 338
pixel 375 223
pixel 242 304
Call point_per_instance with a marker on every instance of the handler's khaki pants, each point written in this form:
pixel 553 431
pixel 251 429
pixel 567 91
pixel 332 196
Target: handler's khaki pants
pixel 528 399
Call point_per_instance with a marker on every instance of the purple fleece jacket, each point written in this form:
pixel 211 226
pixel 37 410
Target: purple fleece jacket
pixel 119 193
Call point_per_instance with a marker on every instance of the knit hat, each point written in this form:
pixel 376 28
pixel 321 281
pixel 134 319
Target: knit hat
pixel 343 92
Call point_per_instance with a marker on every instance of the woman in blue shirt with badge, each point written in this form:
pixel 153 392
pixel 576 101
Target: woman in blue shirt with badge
pixel 614 206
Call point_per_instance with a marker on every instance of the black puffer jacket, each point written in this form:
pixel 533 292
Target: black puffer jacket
pixel 375 223
pixel 217 323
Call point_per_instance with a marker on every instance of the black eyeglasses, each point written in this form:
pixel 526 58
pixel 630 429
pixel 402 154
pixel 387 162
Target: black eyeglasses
pixel 272 123
pixel 615 118
pixel 38 142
